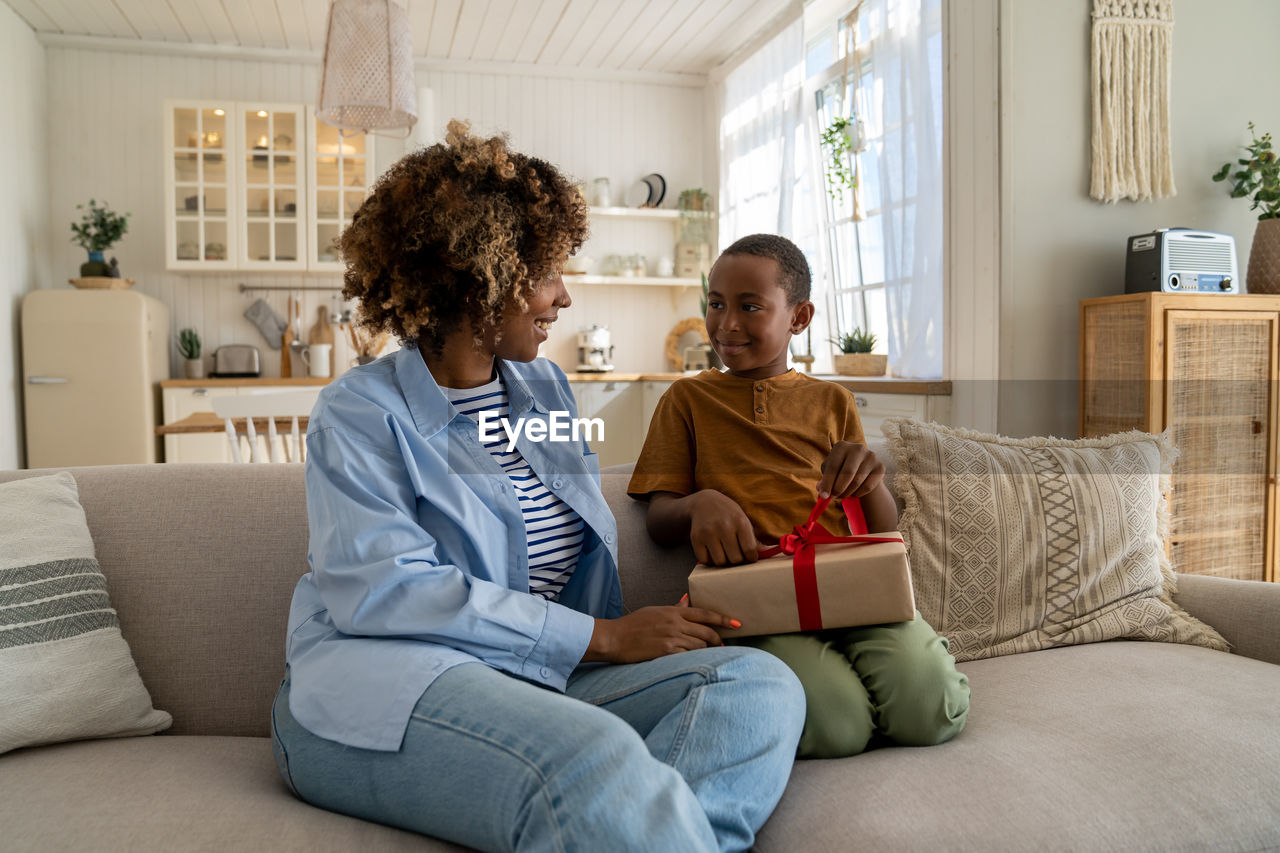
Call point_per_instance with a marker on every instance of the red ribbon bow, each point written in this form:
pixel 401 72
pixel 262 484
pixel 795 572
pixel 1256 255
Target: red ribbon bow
pixel 800 544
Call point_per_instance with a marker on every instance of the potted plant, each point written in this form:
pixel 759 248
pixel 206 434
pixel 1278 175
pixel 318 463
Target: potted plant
pixel 856 358
pixel 1259 177
pixel 838 139
pixel 98 230
pixel 189 346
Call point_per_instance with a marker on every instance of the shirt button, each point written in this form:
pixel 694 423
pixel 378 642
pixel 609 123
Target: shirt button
pixel 759 387
pixel 760 409
pixel 545 672
pixel 608 539
pixel 557 483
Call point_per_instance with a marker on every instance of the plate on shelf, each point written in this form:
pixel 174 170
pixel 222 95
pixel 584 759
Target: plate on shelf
pixel 639 194
pixel 658 184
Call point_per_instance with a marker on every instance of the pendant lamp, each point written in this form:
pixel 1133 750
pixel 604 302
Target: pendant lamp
pixel 367 82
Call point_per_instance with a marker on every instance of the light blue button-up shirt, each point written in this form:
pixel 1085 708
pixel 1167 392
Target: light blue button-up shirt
pixel 418 551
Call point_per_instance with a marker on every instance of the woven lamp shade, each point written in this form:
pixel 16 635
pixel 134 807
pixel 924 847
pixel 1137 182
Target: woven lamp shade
pixel 367 83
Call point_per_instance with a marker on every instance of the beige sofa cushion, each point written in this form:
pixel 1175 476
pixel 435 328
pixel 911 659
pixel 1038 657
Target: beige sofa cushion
pixel 65 670
pixel 1025 544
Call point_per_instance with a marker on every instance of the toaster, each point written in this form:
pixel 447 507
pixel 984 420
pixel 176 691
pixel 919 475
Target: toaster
pixel 237 360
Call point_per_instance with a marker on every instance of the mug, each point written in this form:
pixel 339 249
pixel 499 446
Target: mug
pixel 316 358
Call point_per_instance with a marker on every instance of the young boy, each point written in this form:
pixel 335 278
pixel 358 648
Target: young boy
pixel 734 460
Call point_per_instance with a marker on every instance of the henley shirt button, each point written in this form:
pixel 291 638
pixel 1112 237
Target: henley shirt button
pixel 545 672
pixel 759 387
pixel 608 539
pixel 557 484
pixel 760 409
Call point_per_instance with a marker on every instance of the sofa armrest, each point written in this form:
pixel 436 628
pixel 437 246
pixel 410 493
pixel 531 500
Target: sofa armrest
pixel 1246 613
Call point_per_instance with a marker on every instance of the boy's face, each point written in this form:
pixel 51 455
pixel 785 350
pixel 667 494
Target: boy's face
pixel 748 319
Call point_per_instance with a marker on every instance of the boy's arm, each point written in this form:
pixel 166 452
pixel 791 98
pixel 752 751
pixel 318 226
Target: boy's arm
pixel 880 510
pixel 711 521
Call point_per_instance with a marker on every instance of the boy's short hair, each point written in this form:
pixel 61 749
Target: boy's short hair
pixel 795 277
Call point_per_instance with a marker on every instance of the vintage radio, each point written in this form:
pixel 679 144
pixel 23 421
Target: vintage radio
pixel 1181 260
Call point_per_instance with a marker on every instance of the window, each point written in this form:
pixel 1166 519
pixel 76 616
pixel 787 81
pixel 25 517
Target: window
pixel 882 244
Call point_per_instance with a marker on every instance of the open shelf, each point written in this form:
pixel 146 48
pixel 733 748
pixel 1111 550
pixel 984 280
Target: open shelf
pixel 661 281
pixel 646 212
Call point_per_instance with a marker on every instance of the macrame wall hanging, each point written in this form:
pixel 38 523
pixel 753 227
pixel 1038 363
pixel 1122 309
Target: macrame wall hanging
pixel 1132 48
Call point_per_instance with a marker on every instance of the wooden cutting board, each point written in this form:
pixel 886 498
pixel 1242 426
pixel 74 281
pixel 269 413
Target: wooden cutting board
pixel 286 339
pixel 322 333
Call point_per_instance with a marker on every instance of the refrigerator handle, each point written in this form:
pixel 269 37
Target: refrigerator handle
pixel 46 380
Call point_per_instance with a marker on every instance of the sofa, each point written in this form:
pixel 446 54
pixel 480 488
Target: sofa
pixel 1109 746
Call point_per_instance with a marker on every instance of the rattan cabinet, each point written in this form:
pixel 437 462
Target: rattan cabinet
pixel 1205 368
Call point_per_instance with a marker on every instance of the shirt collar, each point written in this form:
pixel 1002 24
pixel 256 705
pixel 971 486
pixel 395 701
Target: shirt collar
pixel 432 410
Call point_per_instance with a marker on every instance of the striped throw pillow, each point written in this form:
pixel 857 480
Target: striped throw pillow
pixel 66 672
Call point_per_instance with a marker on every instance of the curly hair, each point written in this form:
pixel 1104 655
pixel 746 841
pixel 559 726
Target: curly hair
pixel 457 232
pixel 795 280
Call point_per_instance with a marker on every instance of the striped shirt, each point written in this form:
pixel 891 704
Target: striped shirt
pixel 553 529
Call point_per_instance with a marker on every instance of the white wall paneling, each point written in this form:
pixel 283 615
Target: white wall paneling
pixel 24 239
pixel 106 142
pixel 972 222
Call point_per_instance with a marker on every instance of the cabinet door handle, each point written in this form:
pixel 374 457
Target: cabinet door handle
pixel 200 392
pixel 47 380
pixel 861 402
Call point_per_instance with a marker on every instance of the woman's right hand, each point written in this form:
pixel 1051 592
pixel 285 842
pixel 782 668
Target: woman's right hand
pixel 652 632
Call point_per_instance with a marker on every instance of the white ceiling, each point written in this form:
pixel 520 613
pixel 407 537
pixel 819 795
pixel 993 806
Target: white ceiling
pixel 670 36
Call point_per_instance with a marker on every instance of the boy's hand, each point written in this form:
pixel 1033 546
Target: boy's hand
pixel 850 471
pixel 720 531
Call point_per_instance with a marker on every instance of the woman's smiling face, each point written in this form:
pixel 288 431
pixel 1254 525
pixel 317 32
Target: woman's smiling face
pixel 519 334
pixel 748 319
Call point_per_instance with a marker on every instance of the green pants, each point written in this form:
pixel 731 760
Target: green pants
pixel 896 680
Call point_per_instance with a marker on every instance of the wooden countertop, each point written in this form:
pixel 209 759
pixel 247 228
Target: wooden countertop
pixel 257 381
pixel 867 384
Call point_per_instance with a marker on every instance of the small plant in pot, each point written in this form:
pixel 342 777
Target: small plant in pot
pixel 856 358
pixel 1259 177
pixel 98 230
pixel 189 346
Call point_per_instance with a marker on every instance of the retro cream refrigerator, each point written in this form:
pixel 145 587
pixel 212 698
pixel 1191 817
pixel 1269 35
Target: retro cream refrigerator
pixel 91 364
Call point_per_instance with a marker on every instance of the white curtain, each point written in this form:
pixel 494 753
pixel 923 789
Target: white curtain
pixel 765 180
pixel 904 121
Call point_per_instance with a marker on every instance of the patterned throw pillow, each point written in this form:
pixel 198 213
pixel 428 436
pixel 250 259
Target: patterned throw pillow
pixel 1025 544
pixel 65 670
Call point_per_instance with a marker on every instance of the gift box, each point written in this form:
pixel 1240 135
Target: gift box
pixel 813 580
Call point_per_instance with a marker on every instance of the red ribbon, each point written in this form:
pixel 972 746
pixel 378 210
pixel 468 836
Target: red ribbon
pixel 800 544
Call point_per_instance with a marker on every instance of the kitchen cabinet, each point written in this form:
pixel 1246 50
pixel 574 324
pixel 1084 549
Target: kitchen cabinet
pixel 180 398
pixel 1204 368
pixel 257 186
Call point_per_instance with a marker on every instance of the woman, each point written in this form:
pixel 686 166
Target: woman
pixel 458 659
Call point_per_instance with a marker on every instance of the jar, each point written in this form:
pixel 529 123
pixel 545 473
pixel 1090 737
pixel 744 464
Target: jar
pixel 603 195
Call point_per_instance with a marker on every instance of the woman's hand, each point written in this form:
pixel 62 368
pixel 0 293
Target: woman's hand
pixel 719 530
pixel 850 471
pixel 652 632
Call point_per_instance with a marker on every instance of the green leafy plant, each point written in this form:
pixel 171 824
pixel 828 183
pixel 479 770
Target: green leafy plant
pixel 839 148
pixel 189 343
pixel 1258 176
pixel 694 199
pixel 706 287
pixel 858 340
pixel 100 227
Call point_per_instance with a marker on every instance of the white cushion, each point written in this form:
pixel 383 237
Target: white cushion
pixel 65 670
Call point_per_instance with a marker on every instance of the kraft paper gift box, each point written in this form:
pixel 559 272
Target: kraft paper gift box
pixel 840 584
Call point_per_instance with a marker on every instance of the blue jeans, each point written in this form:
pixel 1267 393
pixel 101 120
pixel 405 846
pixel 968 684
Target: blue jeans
pixel 686 752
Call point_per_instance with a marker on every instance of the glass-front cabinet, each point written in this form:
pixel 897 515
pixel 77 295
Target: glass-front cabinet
pixel 337 183
pixel 272 228
pixel 258 186
pixel 200 191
